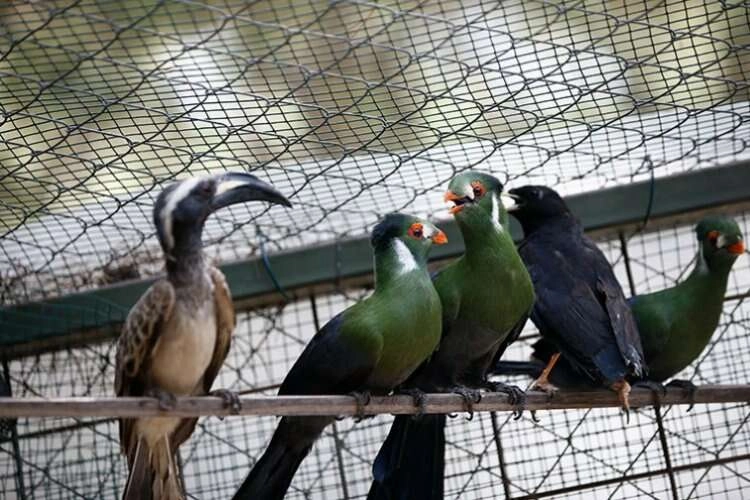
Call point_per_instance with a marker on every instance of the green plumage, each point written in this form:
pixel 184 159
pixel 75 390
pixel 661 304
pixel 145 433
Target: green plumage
pixel 676 324
pixel 485 293
pixel 399 323
pixel 372 346
pixel 486 296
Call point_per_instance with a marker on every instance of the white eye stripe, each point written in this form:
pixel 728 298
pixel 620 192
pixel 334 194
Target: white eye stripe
pixel 405 259
pixel 496 214
pixel 177 195
pixel 721 241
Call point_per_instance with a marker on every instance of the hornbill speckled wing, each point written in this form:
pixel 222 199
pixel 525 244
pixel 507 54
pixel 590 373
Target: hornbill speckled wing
pixel 177 335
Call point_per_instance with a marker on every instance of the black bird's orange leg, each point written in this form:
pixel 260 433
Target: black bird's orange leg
pixel 622 388
pixel 542 383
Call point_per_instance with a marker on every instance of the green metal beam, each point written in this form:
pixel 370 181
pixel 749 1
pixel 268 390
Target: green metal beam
pixel 96 313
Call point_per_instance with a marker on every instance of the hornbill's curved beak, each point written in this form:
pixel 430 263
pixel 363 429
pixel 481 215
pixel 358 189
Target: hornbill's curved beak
pixel 239 187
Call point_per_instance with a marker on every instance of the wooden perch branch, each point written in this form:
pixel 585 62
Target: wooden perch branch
pixel 345 405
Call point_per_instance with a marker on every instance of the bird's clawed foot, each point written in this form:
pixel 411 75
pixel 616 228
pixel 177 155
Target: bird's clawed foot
pixel 656 388
pixel 167 400
pixel 418 396
pixel 470 397
pixel 362 399
pixel 231 400
pixel 688 386
pixel 542 383
pixel 622 388
pixel 516 395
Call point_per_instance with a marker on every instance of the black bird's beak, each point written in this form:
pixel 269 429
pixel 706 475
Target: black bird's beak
pixel 239 187
pixel 511 201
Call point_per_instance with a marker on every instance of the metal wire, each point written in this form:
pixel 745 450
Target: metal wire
pixel 570 454
pixel 355 109
pixel 352 108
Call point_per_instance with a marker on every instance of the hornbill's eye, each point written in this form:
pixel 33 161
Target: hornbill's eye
pixel 205 189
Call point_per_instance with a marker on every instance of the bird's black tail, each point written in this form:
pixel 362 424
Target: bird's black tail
pixel 531 369
pixel 274 471
pixel 410 464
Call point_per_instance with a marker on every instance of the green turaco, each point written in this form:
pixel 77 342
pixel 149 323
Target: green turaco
pixel 372 346
pixel 675 324
pixel 487 295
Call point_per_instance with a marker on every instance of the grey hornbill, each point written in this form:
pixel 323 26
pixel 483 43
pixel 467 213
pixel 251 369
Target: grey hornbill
pixel 177 335
pixel 580 307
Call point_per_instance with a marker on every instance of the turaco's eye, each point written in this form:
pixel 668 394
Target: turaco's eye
pixel 478 189
pixel 416 231
pixel 713 237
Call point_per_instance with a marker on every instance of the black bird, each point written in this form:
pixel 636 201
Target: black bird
pixel 177 335
pixel 580 306
pixel 675 324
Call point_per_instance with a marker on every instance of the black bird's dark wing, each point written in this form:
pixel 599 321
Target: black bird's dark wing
pixel 618 309
pixel 623 325
pixel 332 362
pixel 578 306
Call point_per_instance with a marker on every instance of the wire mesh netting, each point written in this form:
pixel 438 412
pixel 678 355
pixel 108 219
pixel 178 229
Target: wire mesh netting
pixel 562 455
pixel 568 454
pixel 354 109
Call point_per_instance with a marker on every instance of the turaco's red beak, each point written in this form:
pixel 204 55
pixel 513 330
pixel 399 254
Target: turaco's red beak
pixel 440 238
pixel 451 196
pixel 736 248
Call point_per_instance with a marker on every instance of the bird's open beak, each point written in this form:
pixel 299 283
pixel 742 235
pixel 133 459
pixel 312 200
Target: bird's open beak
pixel 736 248
pixel 239 187
pixel 458 201
pixel 440 238
pixel 510 202
pixel 517 201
